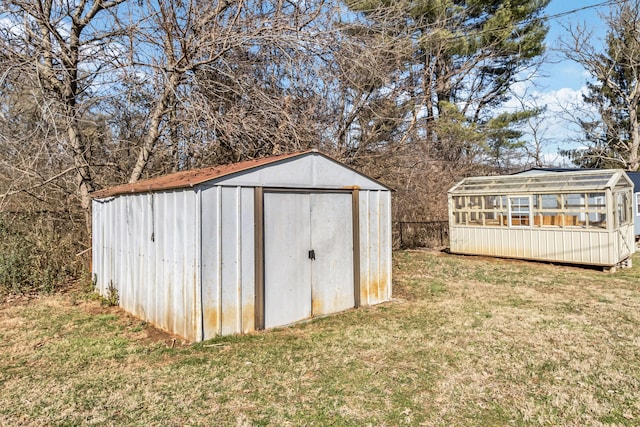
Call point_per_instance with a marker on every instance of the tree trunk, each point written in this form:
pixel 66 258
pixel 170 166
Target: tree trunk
pixel 634 134
pixel 157 116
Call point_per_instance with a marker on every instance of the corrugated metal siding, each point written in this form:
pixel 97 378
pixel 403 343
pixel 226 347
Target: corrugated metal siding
pixel 228 253
pixel 375 247
pixel 569 245
pixel 147 244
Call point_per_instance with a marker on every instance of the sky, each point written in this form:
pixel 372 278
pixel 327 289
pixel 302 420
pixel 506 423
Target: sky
pixel 565 73
pixel 560 82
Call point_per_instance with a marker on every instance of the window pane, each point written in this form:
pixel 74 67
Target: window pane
pixel 597 201
pixel 460 218
pixel 574 201
pixel 550 201
pixel 597 220
pixel 519 204
pixel 622 205
pixel 520 210
pixel 475 202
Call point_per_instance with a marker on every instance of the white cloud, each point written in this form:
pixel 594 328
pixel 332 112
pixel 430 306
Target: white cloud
pixel 563 107
pixel 557 128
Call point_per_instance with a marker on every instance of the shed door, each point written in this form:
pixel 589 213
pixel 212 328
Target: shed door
pixel 308 255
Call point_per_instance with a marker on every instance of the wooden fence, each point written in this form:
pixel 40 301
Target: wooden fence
pixel 416 234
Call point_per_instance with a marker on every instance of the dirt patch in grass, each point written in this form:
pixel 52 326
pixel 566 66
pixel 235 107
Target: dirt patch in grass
pixel 467 341
pixel 132 325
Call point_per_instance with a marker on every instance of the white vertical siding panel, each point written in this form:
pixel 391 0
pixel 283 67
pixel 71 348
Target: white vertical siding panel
pixel 107 272
pixel 371 285
pixel 121 244
pixel 231 248
pixel 374 247
pixel 375 252
pixel 521 242
pixel 509 250
pixel 105 247
pixel 192 263
pixel 602 247
pixel 239 260
pixel 158 244
pixel 186 260
pixel 128 250
pixel 142 248
pixel 571 245
pixel 210 262
pixel 133 217
pixel 386 242
pixel 561 249
pixel 196 315
pixel 97 240
pixel 589 248
pixel 176 249
pixel 97 243
pixel 365 243
pixel 247 257
pixel 150 257
pixel 527 244
pixel 513 248
pixel 569 252
pixel 114 249
pixel 163 275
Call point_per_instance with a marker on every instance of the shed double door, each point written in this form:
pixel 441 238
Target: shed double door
pixel 308 255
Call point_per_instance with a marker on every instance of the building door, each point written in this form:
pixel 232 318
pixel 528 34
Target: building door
pixel 308 255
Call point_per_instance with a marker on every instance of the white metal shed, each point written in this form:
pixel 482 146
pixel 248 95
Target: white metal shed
pixel 247 246
pixel 580 217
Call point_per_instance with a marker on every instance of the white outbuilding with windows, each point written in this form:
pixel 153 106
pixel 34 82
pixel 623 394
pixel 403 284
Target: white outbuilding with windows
pixel 581 217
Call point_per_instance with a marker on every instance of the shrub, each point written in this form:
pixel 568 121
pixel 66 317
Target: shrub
pixel 38 252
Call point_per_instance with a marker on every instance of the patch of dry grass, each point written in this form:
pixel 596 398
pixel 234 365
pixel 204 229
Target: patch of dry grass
pixel 468 341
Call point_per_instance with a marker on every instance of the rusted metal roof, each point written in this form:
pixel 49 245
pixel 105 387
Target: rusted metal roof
pixel 189 178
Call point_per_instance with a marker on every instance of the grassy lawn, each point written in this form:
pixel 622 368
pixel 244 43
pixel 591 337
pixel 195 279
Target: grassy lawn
pixel 466 341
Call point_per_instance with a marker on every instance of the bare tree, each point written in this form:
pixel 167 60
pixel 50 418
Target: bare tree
pixel 614 137
pixel 62 48
pixel 208 61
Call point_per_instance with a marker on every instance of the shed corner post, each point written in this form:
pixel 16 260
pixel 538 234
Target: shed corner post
pixel 258 204
pixel 355 198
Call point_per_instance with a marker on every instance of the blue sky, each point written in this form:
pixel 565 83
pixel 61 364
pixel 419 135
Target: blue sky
pixel 565 73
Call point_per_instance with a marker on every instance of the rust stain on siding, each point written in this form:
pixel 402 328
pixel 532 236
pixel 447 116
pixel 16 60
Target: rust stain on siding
pixel 317 306
pixel 364 293
pixel 229 318
pixel 374 290
pixel 210 321
pixel 248 317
